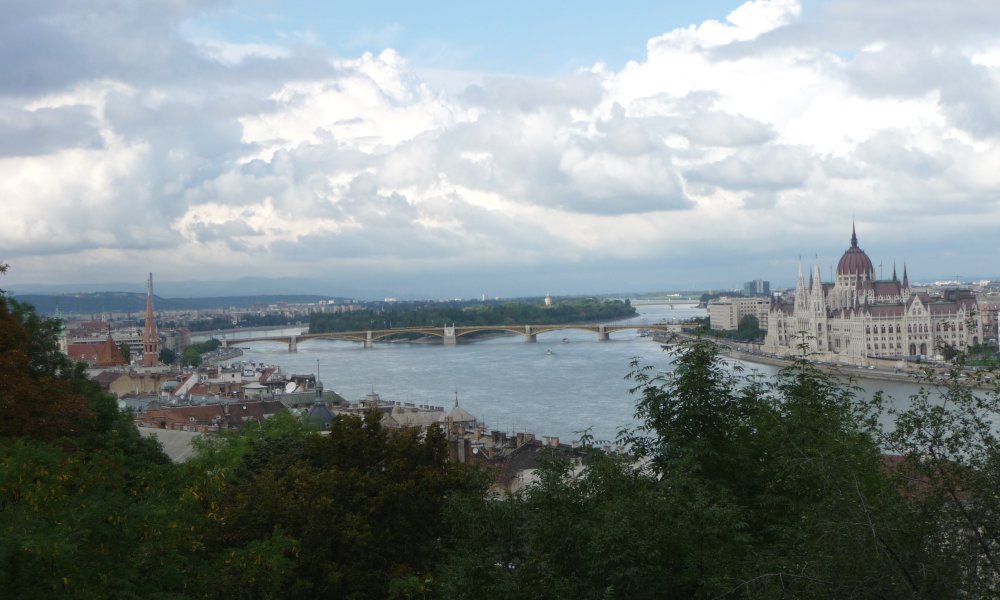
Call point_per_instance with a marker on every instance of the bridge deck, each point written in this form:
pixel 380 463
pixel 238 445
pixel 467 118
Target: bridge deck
pixel 369 336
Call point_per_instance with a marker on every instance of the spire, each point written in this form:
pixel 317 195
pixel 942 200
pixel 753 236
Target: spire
pixel 906 280
pixel 894 278
pixel 854 236
pixel 150 338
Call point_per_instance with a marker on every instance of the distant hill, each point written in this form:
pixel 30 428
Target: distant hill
pixel 243 286
pixel 97 302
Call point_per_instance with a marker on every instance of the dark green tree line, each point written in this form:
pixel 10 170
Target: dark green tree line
pixel 507 313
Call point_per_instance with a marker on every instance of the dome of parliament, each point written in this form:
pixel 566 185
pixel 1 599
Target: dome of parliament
pixel 855 261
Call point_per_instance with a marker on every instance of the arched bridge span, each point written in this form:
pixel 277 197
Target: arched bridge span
pixel 449 334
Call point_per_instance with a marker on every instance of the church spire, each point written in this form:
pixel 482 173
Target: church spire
pixel 906 279
pixel 150 338
pixel 894 278
pixel 854 236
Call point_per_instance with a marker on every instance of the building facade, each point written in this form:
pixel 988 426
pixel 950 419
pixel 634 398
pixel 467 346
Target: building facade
pixel 857 316
pixel 725 313
pixel 757 287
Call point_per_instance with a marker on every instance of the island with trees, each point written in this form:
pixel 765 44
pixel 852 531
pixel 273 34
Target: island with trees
pixel 422 314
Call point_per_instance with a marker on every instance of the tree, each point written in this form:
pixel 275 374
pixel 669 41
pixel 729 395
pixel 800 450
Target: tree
pixel 949 459
pixel 42 394
pixel 125 351
pixel 749 329
pixel 361 506
pixel 191 356
pixel 87 507
pixel 168 356
pixel 734 486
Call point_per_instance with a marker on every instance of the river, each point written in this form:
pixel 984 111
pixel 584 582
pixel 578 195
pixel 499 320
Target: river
pixel 551 387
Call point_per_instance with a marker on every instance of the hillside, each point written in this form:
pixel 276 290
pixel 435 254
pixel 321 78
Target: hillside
pixel 96 302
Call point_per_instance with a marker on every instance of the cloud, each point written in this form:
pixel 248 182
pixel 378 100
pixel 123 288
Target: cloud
pixel 770 168
pixel 131 135
pixel 41 131
pixel 721 129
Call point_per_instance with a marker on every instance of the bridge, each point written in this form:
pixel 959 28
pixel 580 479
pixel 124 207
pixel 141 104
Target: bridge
pixel 449 334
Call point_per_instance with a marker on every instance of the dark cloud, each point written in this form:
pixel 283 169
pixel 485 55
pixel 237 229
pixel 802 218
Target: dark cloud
pixel 892 151
pixel 767 168
pixel 45 130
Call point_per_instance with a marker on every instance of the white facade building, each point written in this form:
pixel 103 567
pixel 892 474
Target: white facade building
pixel 725 313
pixel 858 316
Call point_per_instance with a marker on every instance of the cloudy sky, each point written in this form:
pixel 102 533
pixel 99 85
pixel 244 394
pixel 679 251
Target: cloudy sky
pixel 444 149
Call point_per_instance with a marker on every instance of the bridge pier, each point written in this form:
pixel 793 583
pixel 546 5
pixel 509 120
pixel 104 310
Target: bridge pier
pixel 529 336
pixel 293 344
pixel 449 338
pixel 369 341
pixel 602 334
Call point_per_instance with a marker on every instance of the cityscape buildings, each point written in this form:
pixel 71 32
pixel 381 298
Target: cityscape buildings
pixel 858 316
pixel 757 287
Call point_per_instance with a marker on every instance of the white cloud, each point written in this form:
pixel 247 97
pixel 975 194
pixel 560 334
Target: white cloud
pixel 766 130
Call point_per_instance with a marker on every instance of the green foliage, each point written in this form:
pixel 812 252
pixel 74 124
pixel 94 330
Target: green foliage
pixel 207 346
pixel 191 357
pixel 749 329
pixel 126 353
pixel 950 460
pixel 982 355
pixel 506 313
pixel 168 356
pixel 87 507
pixel 361 507
pixel 735 487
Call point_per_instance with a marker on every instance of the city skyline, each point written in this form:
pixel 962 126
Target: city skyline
pixel 452 151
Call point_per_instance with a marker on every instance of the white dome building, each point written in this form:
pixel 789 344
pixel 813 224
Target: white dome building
pixel 858 316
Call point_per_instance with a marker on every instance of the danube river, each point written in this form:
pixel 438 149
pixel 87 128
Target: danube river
pixel 564 383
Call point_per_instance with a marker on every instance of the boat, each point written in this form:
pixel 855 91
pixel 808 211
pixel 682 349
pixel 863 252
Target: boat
pixel 565 340
pixel 549 351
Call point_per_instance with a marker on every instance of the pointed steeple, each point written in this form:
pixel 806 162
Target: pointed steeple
pixel 906 279
pixel 894 278
pixel 800 290
pixel 150 338
pixel 854 236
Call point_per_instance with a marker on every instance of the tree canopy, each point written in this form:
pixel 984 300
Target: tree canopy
pixel 736 486
pixel 503 313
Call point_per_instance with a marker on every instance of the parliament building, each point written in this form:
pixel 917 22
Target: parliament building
pixel 857 316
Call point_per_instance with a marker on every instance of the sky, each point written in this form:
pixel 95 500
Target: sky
pixel 453 149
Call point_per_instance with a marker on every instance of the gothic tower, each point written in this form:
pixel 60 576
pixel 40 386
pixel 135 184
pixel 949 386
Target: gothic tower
pixel 150 339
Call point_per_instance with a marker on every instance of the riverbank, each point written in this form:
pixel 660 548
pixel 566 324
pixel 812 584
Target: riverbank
pixel 924 374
